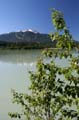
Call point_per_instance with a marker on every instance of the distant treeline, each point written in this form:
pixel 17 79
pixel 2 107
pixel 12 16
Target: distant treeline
pixel 28 45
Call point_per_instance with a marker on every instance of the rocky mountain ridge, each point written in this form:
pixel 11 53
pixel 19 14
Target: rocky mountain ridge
pixel 26 39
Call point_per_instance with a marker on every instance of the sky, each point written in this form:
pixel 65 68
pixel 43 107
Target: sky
pixel 16 15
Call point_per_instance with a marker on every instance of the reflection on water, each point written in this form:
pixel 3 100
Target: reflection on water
pixel 19 56
pixel 14 67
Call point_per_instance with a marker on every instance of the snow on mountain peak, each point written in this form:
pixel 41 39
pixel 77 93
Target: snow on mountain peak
pixel 30 30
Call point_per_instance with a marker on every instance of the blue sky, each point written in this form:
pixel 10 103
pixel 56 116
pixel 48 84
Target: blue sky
pixel 35 14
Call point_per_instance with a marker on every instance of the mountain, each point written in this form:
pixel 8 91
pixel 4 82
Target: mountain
pixel 26 39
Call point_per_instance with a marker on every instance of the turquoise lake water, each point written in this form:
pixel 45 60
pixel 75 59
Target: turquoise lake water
pixel 14 67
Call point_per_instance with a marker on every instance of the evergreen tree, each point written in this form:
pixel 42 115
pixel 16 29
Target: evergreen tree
pixel 54 87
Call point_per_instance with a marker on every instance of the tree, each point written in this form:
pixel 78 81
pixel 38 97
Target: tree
pixel 54 88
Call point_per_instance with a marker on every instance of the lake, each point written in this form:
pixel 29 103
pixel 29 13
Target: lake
pixel 14 67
